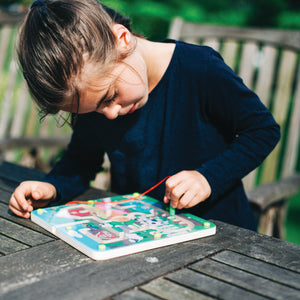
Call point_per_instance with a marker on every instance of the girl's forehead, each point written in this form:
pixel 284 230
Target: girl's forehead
pixel 97 76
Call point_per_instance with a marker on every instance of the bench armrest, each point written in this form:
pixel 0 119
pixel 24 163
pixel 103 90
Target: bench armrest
pixel 34 142
pixel 268 194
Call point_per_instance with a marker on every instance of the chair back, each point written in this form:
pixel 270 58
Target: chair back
pixel 268 62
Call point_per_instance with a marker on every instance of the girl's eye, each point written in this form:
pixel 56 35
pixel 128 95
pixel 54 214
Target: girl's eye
pixel 110 100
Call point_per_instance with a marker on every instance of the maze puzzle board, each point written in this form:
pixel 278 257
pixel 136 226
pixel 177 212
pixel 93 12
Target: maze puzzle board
pixel 114 226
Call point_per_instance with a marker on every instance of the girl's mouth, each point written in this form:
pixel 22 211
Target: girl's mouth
pixel 132 109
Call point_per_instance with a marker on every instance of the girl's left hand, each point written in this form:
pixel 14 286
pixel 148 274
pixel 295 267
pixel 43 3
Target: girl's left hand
pixel 186 189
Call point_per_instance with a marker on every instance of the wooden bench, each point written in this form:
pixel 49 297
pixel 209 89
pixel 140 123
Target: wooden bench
pixel 23 137
pixel 268 61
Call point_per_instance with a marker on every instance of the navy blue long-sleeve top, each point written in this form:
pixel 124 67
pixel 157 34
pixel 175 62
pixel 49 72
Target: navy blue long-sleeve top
pixel 200 116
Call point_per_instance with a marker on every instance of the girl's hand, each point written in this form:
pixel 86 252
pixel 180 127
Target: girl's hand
pixel 186 189
pixel 30 195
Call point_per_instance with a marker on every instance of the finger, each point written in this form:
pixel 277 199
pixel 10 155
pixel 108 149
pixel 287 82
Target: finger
pixel 196 200
pixel 16 209
pixel 19 199
pixel 177 193
pixel 166 200
pixel 193 199
pixel 175 200
pixel 14 203
pixel 174 190
pixel 22 214
pixel 186 198
pixel 173 181
pixel 44 191
pixel 36 195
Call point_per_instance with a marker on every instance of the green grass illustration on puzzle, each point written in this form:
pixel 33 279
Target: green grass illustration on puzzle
pixel 116 226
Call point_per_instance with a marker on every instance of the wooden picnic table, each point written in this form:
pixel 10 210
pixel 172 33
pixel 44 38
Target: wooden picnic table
pixel 233 264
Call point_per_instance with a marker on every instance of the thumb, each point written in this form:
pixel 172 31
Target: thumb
pixel 36 195
pixel 44 191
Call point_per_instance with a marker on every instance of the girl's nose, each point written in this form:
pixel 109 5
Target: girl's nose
pixel 111 111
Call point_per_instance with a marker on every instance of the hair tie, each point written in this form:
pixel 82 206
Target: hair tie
pixel 37 3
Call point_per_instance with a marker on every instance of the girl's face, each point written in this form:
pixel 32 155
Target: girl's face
pixel 120 93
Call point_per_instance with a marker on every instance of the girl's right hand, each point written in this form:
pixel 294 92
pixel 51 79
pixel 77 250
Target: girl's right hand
pixel 30 195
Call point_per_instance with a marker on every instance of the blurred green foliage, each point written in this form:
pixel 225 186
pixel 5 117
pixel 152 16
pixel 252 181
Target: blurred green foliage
pixel 152 17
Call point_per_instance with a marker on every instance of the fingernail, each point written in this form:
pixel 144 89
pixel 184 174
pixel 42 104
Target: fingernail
pixel 36 194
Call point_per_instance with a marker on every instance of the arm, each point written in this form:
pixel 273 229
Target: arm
pixel 80 163
pixel 70 177
pixel 62 184
pixel 247 126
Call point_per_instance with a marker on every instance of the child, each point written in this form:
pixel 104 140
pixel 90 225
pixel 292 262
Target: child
pixel 157 109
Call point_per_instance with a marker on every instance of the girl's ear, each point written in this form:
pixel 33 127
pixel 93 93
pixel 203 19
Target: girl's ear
pixel 123 36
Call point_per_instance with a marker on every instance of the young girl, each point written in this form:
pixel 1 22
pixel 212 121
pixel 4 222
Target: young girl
pixel 157 109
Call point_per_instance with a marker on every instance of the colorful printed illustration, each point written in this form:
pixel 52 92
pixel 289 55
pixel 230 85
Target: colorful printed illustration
pixel 111 227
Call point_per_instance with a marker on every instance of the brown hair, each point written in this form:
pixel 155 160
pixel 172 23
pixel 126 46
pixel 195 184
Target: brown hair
pixel 54 36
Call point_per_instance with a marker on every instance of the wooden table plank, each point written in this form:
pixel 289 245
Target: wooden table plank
pixel 22 234
pixel 168 290
pixel 211 286
pixel 260 285
pixel 5 196
pixel 8 215
pixel 11 175
pixel 259 268
pixel 99 278
pixel 17 173
pixel 24 268
pixel 286 255
pixel 8 185
pixel 8 245
pixel 135 294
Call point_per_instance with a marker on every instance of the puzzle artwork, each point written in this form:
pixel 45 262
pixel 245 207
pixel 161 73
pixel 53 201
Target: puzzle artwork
pixel 120 225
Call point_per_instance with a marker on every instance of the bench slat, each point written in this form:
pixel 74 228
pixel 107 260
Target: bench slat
pixel 213 43
pixel 281 106
pixel 265 76
pixel 5 33
pixel 18 123
pixel 229 52
pixel 292 153
pixel 250 53
pixel 7 99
